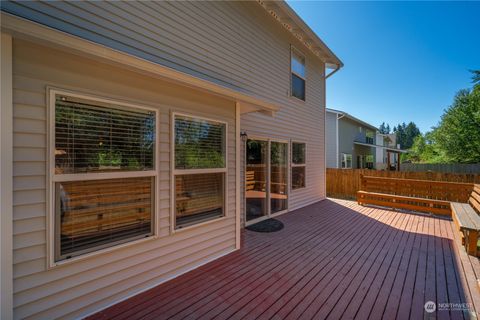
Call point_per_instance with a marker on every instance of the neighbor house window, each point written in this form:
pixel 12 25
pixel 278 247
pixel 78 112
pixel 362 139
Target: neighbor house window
pixel 298 165
pixel 103 173
pixel 346 161
pixel 200 170
pixel 369 136
pixel 369 161
pixel 298 77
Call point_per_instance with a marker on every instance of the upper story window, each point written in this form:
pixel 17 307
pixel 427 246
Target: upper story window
pixel 369 136
pixel 102 173
pixel 298 75
pixel 200 170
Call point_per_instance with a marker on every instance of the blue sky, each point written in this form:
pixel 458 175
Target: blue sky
pixel 404 61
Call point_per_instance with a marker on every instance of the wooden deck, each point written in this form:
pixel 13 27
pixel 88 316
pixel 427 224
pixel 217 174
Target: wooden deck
pixel 334 259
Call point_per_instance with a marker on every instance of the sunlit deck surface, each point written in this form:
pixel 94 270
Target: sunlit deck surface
pixel 334 259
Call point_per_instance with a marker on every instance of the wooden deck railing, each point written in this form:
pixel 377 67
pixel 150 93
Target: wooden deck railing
pixel 410 194
pixel 344 183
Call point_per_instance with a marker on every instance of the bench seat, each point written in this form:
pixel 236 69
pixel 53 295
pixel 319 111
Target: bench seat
pixel 468 222
pixel 440 207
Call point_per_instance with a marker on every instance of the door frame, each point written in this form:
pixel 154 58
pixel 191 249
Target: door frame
pixel 268 215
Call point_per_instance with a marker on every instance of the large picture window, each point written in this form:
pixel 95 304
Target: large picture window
pixel 298 165
pixel 102 173
pixel 298 76
pixel 200 170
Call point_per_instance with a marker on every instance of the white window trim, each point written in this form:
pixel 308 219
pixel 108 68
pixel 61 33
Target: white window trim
pixel 52 178
pixel 174 172
pixel 292 165
pixel 344 155
pixel 304 78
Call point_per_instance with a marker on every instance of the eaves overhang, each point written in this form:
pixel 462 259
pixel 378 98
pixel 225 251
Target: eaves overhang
pixel 290 20
pixel 35 32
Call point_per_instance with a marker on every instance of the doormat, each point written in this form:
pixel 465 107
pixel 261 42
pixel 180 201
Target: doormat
pixel 269 225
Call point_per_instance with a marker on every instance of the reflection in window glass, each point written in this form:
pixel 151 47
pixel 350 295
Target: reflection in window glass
pixel 95 214
pixel 199 144
pixel 198 198
pixel 94 137
pixel 298 153
pixel 298 177
pixel 278 176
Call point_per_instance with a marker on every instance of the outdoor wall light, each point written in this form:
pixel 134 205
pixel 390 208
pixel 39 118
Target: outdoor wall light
pixel 243 135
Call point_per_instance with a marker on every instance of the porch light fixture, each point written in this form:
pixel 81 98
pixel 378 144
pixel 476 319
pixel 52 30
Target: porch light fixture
pixel 243 135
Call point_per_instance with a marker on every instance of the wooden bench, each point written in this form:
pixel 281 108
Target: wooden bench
pixel 440 207
pixel 461 201
pixel 467 220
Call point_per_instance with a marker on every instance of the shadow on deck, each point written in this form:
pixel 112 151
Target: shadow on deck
pixel 334 259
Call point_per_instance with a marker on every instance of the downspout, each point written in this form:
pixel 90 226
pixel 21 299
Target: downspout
pixel 333 72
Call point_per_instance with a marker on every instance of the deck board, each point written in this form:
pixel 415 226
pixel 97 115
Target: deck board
pixel 333 260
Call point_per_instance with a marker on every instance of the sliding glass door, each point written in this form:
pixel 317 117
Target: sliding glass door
pixel 278 176
pixel 266 178
pixel 256 179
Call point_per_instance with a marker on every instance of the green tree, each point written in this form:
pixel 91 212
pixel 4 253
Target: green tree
pixel 384 128
pixel 458 133
pixel 406 134
pixel 425 150
pixel 476 79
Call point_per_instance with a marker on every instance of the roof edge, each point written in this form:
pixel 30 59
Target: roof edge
pixel 282 11
pixel 347 115
pixel 33 31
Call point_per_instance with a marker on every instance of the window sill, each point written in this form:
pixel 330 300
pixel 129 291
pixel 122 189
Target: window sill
pixel 53 265
pixel 297 99
pixel 298 189
pixel 201 224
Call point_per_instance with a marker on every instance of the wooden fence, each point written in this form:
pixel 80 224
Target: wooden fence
pixel 472 168
pixel 344 183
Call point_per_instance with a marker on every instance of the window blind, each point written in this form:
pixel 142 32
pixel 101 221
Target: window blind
pixel 100 213
pixel 99 138
pixel 198 197
pixel 199 144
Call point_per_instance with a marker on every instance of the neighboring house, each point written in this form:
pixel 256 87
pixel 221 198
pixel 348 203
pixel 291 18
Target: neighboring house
pixel 354 143
pixel 350 142
pixel 390 153
pixel 138 137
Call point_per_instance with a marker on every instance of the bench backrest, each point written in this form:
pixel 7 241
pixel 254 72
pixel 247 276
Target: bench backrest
pixel 428 189
pixel 474 199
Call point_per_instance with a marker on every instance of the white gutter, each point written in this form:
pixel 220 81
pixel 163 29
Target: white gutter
pixel 333 72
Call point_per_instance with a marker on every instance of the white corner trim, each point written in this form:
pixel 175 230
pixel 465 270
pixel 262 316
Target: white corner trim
pixel 6 180
pixel 237 177
pixel 32 31
pixel 337 161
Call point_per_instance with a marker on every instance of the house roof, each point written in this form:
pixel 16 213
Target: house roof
pixel 349 116
pixel 281 11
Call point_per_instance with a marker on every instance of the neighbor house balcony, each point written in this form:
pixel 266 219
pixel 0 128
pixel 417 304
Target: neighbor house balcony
pixel 334 259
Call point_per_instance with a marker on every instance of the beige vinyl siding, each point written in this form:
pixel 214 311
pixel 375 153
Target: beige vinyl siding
pixel 81 287
pixel 237 44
